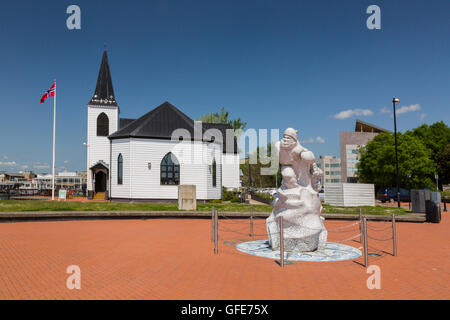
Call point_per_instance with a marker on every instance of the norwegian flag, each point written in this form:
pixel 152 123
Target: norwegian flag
pixel 49 93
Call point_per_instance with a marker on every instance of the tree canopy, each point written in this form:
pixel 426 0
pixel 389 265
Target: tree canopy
pixel 443 164
pixel 422 152
pixel 436 138
pixel 223 117
pixel 377 162
pixel 268 178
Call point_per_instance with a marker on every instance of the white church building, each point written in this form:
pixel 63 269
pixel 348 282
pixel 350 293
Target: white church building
pixel 145 159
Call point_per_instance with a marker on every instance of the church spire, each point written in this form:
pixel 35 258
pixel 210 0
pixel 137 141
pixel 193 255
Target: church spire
pixel 104 92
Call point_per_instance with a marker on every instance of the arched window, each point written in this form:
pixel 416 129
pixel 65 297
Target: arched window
pixel 120 169
pixel 214 173
pixel 102 125
pixel 170 170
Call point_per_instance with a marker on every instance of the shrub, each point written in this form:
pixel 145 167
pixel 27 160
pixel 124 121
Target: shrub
pixel 226 195
pixel 445 194
pixel 235 199
pixel 265 196
pixel 215 201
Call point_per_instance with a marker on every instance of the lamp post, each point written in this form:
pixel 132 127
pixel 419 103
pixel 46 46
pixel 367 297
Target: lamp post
pixel 87 170
pixel 395 101
pixel 409 187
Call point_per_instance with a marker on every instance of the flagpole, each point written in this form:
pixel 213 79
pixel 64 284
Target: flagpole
pixel 54 133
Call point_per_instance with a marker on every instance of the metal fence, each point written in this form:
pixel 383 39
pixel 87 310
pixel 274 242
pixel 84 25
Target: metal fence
pixel 359 231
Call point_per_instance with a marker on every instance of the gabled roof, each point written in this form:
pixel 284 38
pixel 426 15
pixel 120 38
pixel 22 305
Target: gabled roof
pixel 362 126
pixel 222 127
pixel 124 122
pixel 104 92
pixel 161 122
pixel 99 165
pixel 158 123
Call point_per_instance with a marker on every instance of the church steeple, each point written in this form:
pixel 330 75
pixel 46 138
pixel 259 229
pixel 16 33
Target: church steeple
pixel 104 92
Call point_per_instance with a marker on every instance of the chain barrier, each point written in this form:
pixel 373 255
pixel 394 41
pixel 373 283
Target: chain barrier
pixel 229 225
pixel 384 226
pixel 339 229
pixel 381 252
pixel 378 239
pixel 348 239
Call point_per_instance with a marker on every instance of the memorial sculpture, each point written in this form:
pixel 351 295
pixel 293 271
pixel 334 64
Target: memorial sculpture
pixel 297 200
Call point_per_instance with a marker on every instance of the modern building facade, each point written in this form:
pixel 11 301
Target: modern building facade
pixel 38 183
pixel 350 142
pixel 10 181
pixel 331 167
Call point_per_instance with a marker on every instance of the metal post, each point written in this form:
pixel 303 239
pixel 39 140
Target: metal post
pixel 216 232
pixel 366 253
pixel 212 225
pixel 394 101
pixel 394 236
pixel 360 226
pixel 249 173
pixel 251 221
pixel 281 242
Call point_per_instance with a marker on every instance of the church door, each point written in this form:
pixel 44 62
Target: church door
pixel 100 181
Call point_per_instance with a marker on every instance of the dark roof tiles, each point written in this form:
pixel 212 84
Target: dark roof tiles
pixel 104 92
pixel 162 121
pixel 124 122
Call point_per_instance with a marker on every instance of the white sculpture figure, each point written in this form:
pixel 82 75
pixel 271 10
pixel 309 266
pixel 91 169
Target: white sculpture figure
pixel 297 199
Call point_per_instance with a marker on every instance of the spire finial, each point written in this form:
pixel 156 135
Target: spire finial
pixel 104 46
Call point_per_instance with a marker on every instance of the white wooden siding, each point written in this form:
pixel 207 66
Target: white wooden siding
pixel 230 170
pixel 121 190
pixel 142 183
pixel 214 153
pixel 99 147
pixel 350 194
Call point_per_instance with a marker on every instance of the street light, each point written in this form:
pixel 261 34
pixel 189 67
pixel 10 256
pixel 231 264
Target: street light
pixel 409 187
pixel 394 101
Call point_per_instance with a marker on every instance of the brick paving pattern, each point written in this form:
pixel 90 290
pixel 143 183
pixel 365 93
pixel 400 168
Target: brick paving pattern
pixel 174 259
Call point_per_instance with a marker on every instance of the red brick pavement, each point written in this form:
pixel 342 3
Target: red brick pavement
pixel 173 259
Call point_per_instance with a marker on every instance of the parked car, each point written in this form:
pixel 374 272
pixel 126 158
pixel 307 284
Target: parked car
pixel 385 195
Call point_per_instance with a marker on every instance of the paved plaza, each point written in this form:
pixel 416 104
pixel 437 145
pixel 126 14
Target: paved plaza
pixel 174 259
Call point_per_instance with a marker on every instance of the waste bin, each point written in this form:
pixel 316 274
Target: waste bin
pixel 433 211
pixel 418 200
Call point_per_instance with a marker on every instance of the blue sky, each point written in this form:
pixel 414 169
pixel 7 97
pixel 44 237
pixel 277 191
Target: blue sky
pixel 311 65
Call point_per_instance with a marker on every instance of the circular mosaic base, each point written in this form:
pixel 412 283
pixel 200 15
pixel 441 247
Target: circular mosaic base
pixel 331 252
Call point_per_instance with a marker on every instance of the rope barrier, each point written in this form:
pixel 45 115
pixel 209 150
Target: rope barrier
pixel 344 227
pixel 378 239
pixel 237 232
pixel 348 239
pixel 379 229
pixel 229 225
pixel 379 250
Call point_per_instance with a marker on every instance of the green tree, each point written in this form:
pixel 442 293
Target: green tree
pixel 223 117
pixel 264 160
pixel 435 138
pixel 377 162
pixel 443 163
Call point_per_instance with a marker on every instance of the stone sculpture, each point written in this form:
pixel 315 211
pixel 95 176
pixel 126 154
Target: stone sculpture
pixel 297 200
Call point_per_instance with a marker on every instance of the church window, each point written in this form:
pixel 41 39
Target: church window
pixel 120 169
pixel 214 173
pixel 102 125
pixel 170 170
